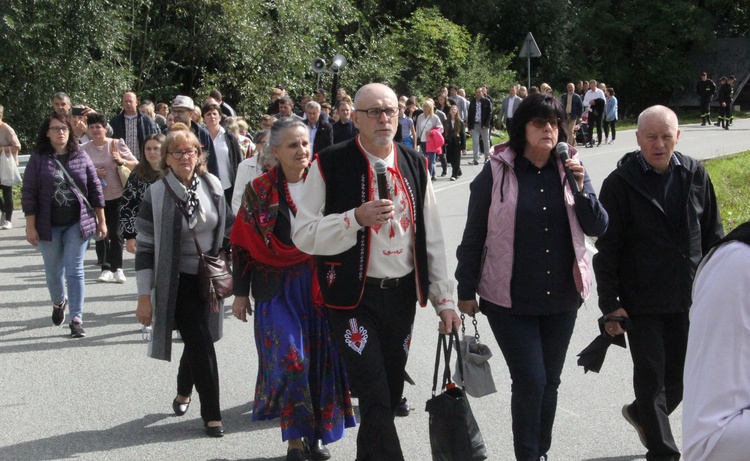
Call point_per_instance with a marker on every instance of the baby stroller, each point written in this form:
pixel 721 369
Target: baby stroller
pixel 583 131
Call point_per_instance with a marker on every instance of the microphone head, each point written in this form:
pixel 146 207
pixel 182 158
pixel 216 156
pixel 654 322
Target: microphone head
pixel 562 150
pixel 380 167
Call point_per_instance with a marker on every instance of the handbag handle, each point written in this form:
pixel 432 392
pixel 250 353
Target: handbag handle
pixel 74 185
pixel 447 346
pixel 473 322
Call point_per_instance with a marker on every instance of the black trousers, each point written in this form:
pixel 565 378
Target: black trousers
pixel 198 362
pixel 607 126
pixel 595 119
pixel 109 249
pixel 705 107
pixel 6 204
pixel 375 366
pixel 657 345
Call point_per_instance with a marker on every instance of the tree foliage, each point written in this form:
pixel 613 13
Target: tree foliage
pixel 96 50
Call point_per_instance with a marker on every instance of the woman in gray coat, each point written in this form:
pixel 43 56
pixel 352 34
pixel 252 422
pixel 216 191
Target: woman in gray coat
pixel 166 263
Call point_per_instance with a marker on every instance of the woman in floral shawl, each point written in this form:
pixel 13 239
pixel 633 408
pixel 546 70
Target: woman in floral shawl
pixel 301 379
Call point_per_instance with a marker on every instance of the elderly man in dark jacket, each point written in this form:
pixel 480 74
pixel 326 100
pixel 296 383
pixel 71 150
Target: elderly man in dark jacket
pixel 663 218
pixel 131 125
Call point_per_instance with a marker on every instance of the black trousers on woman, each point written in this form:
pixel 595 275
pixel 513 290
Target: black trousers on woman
pixel 198 362
pixel 6 204
pixel 109 249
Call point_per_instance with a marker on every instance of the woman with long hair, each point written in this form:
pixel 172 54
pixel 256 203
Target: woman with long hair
pixel 147 172
pixel 427 121
pixel 301 379
pixel 455 141
pixel 64 206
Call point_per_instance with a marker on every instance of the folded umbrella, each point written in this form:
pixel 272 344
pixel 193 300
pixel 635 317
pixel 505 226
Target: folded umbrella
pixel 592 357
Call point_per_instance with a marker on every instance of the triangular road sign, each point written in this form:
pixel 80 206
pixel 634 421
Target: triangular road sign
pixel 529 49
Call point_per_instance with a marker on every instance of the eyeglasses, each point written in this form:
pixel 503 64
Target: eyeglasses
pixel 190 153
pixel 389 112
pixel 59 128
pixel 541 122
pixel 179 111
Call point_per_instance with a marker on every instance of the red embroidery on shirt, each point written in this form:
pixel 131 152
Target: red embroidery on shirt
pixel 376 228
pixel 444 301
pixel 404 221
pixel 393 252
pixel 347 222
pixel 393 231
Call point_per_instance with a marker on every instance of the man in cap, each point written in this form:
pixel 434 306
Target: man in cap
pixel 182 109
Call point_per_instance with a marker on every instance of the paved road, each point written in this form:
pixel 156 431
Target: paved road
pixel 101 398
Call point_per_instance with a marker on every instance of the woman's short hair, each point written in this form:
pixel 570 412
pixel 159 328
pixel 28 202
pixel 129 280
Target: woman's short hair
pixel 94 118
pixel 611 91
pixel 280 126
pixel 43 144
pixel 535 105
pixel 211 106
pixel 176 137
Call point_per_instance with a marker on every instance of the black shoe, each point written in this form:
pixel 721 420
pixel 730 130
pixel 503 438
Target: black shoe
pixel 444 173
pixel 296 454
pixel 76 330
pixel 318 451
pixel 474 163
pixel 726 127
pixel 704 123
pixel 179 407
pixel 627 413
pixel 214 431
pixel 708 120
pixel 58 312
pixel 717 124
pixel 403 408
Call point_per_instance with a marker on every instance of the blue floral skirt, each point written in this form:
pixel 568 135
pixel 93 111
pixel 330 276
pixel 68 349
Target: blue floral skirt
pixel 301 378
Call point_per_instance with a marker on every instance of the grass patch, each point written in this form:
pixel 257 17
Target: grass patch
pixel 731 178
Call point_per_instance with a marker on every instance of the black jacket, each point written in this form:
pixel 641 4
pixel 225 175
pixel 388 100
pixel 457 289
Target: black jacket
pixel 146 126
pixel 644 264
pixel 486 113
pixel 323 137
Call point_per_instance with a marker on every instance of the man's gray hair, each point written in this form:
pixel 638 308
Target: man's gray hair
pixel 312 105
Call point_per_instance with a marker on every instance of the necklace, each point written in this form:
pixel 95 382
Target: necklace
pixel 289 200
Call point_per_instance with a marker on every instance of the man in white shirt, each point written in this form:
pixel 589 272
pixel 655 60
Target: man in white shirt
pixel 593 102
pixel 375 259
pixel 508 108
pixel 716 403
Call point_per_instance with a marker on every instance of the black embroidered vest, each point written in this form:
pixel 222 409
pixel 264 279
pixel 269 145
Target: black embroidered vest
pixel 347 174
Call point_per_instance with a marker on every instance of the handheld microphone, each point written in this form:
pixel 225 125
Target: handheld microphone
pixel 562 151
pixel 380 167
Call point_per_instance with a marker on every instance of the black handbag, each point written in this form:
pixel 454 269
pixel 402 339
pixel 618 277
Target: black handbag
pixel 214 275
pixel 454 433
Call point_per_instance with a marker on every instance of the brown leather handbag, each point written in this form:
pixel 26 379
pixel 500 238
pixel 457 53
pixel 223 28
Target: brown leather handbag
pixel 214 274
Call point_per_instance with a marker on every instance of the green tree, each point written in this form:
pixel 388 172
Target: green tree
pixel 72 46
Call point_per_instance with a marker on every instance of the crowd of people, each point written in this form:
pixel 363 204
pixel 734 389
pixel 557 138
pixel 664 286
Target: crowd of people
pixel 331 264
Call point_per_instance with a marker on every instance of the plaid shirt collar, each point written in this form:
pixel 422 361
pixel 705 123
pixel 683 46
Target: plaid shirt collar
pixel 673 162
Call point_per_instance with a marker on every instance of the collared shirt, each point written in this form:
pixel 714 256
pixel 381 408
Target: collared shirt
pixel 542 281
pixel 313 131
pixel 665 187
pixel 131 135
pixel 391 245
pixel 511 103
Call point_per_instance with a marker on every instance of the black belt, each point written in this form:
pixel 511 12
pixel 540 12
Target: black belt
pixel 388 283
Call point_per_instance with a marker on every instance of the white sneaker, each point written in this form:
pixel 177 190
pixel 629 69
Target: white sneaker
pixel 106 277
pixel 7 225
pixel 120 276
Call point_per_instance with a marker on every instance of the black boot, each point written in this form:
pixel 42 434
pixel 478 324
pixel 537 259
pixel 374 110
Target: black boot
pixel 703 120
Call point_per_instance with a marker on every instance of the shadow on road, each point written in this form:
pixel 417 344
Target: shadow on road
pixel 132 434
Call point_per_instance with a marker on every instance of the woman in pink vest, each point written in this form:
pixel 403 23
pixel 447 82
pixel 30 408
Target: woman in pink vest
pixel 523 252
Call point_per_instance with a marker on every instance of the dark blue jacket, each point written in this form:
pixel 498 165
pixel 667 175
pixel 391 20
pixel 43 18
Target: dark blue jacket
pixel 146 126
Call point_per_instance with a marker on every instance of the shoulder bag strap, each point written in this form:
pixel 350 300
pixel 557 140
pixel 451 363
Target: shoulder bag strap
pixel 73 183
pixel 181 206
